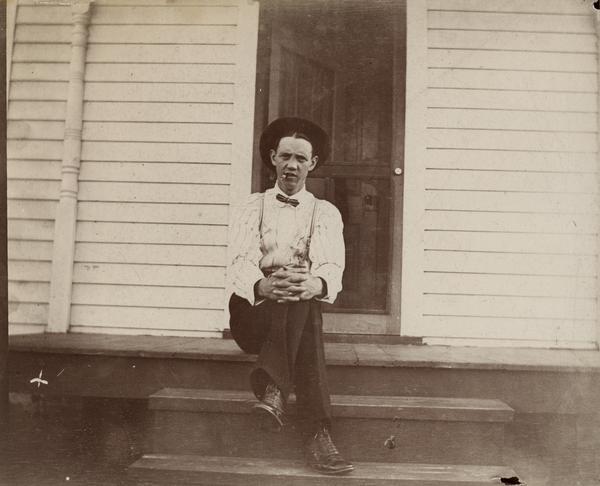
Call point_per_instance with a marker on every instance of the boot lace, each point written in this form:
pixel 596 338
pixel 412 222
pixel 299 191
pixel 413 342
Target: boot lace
pixel 326 443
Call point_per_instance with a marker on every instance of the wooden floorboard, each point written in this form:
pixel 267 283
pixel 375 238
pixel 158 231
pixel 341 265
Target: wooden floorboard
pixel 234 471
pixel 344 354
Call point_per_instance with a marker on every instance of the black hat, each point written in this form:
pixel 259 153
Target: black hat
pixel 284 127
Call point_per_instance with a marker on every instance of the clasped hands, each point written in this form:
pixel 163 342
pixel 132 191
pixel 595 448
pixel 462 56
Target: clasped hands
pixel 290 285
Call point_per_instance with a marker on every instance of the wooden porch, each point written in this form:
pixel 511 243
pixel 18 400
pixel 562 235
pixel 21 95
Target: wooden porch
pixel 524 409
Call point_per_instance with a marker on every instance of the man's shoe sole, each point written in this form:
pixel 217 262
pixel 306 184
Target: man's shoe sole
pixel 269 419
pixel 333 472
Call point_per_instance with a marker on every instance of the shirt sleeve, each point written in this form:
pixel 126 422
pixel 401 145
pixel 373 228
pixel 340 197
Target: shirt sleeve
pixel 244 250
pixel 327 250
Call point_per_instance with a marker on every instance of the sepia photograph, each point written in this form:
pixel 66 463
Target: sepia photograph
pixel 301 242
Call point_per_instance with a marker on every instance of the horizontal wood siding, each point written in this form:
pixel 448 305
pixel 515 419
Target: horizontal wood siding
pixel 35 126
pixel 511 196
pixel 153 209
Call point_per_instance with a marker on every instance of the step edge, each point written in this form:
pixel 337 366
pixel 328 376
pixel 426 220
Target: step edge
pixel 240 402
pixel 495 403
pixel 145 463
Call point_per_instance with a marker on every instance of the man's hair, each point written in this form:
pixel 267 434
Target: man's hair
pixel 295 134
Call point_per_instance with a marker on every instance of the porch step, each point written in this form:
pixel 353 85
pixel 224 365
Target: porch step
pixel 233 471
pixel 366 428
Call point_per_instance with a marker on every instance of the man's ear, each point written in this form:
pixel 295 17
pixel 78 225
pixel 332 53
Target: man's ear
pixel 272 153
pixel 313 163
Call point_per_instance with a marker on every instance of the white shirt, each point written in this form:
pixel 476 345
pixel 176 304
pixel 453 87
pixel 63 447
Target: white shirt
pixel 285 231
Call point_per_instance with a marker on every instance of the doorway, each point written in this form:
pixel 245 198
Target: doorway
pixel 342 65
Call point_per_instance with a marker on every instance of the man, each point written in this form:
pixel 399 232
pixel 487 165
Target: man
pixel 287 257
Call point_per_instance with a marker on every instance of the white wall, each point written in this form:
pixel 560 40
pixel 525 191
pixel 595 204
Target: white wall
pixel 164 83
pixel 35 118
pixel 508 193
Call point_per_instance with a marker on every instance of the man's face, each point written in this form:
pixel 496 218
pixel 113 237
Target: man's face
pixel 293 160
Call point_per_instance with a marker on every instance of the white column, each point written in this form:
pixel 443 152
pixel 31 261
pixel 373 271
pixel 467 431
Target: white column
pixel 66 216
pixel 415 141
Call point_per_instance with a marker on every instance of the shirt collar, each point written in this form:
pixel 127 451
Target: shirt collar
pixel 303 196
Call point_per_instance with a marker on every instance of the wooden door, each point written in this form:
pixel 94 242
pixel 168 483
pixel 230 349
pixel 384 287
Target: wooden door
pixel 348 77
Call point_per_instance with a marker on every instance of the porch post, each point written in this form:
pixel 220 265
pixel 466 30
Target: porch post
pixel 66 215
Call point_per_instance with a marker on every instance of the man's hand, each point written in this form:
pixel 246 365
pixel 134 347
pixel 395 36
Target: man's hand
pixel 290 285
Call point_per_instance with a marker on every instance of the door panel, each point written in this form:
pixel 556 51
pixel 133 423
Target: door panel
pixel 346 84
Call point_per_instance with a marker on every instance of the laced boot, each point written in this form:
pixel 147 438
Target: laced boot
pixel 271 409
pixel 322 454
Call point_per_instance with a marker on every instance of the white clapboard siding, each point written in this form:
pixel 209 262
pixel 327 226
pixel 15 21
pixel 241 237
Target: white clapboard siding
pixel 511 203
pixel 219 133
pixel 502 330
pixel 161 34
pixel 38 90
pixel 510 263
pixel 156 152
pixel 30 209
pixel 175 14
pixel 547 286
pixel 155 275
pixel 160 254
pixel 155 172
pixel 153 213
pixel 505 242
pixel 503 200
pixel 173 54
pixel 33 169
pixel 16 328
pixel 119 331
pixel 512 60
pixel 525 6
pixel 28 229
pixel 44 190
pixel 578 184
pixel 147 296
pixel 519 161
pixel 177 73
pixel 133 232
pixel 154 192
pixel 36 130
pixel 166 92
pixel 28 314
pixel 512 140
pixel 548 122
pixel 586 224
pixel 513 41
pixel 36 110
pixel 29 271
pixel 34 149
pixel 46 52
pixel 104 318
pixel 158 112
pixel 40 72
pixel 513 307
pixel 512 80
pixel 29 250
pixel 43 34
pixel 512 100
pixel 159 141
pixel 527 21
pixel 30 292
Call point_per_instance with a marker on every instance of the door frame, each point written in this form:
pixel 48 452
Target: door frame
pixel 340 322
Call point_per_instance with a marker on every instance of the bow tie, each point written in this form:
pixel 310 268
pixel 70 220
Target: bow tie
pixel 287 200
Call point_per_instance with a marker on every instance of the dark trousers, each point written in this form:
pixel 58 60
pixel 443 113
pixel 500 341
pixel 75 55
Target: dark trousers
pixel 288 339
